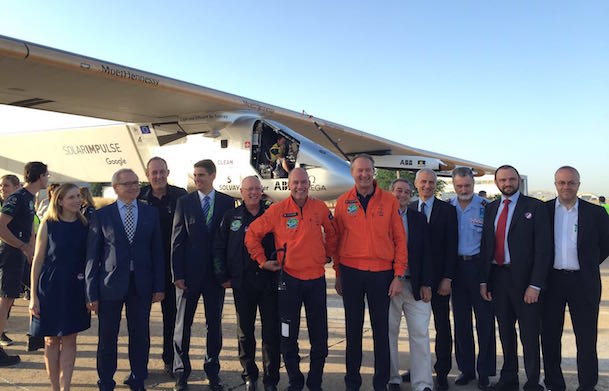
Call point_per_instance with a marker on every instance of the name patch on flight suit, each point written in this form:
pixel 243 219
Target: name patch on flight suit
pixel 294 214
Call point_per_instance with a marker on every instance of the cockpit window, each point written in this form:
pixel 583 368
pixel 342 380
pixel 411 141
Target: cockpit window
pixel 273 152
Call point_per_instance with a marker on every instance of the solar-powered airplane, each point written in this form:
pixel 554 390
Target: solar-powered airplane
pixel 182 123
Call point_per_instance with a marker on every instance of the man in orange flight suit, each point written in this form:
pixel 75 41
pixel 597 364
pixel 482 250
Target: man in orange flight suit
pixel 297 223
pixel 372 255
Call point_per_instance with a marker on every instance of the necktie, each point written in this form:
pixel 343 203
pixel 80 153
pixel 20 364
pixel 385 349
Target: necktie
pixel 206 210
pixel 424 210
pixel 129 222
pixel 500 234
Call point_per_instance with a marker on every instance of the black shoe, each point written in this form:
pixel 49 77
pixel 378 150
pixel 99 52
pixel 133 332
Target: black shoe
pixel 34 343
pixel 505 386
pixel 406 377
pixel 181 385
pixel 215 384
pixel 168 370
pixel 6 360
pixel 5 340
pixel 463 379
pixel 250 385
pixel 426 389
pixel 484 384
pixel 394 387
pixel 270 387
pixel 442 383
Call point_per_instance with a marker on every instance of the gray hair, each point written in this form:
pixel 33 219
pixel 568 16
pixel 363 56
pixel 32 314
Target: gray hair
pixel 570 168
pixel 403 180
pixel 251 177
pixel 429 171
pixel 116 176
pixel 463 172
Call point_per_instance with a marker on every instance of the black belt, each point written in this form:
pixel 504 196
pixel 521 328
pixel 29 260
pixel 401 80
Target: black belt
pixel 468 257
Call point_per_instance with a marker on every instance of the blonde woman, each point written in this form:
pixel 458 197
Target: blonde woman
pixel 57 304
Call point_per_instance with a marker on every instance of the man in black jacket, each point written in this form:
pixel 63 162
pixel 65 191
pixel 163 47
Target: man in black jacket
pixel 162 196
pixel 252 286
pixel 581 243
pixel 442 220
pixel 516 255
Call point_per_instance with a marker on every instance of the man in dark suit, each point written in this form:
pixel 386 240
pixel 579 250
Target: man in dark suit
pixel 414 299
pixel 164 197
pixel 442 220
pixel 581 243
pixel 124 266
pixel 516 255
pixel 196 219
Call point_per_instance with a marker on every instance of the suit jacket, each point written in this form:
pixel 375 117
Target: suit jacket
pixel 592 243
pixel 419 252
pixel 109 254
pixel 444 240
pixel 191 241
pixel 529 243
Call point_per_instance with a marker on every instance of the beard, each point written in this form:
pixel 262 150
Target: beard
pixel 510 192
pixel 465 197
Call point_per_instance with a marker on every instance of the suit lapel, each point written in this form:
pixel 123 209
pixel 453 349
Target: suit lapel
pixel 197 208
pixel 140 217
pixel 520 206
pixel 433 216
pixel 493 214
pixel 118 222
pixel 581 223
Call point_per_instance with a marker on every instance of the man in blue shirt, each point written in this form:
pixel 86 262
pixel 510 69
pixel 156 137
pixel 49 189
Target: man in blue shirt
pixel 466 288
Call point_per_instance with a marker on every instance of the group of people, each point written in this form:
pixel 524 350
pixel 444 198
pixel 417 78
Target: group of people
pixel 513 259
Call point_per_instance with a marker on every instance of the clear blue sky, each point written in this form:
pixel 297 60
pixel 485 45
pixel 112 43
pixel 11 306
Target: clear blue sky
pixel 519 82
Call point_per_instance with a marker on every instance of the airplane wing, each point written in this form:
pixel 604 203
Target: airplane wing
pixel 44 78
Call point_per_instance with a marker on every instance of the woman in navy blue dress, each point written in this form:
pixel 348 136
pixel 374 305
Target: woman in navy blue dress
pixel 58 304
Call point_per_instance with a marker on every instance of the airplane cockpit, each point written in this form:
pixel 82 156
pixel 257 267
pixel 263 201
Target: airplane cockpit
pixel 274 152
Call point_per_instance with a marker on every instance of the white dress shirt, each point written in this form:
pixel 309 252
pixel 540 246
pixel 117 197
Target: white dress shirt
pixel 565 237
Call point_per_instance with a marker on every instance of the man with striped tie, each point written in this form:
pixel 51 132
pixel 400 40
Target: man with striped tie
pixel 124 267
pixel 195 222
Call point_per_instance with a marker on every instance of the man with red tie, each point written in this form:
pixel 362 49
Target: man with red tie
pixel 516 255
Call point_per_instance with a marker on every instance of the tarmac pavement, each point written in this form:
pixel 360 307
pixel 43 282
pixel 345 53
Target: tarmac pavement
pixel 30 374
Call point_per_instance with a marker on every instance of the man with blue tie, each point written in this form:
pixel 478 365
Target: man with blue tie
pixel 196 219
pixel 466 287
pixel 124 266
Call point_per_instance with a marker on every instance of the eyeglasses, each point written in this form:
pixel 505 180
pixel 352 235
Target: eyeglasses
pixel 563 183
pixel 129 184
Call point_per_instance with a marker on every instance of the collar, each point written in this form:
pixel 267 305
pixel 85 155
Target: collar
pixel 404 211
pixel 513 198
pixel 122 204
pixel 357 193
pixel 574 207
pixel 429 202
pixel 211 195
